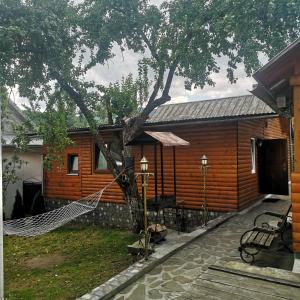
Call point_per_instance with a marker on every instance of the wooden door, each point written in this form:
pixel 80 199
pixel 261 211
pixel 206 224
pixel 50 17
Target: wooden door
pixel 273 167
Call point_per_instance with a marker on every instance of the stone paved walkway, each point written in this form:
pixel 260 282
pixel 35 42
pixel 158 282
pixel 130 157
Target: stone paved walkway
pixel 186 275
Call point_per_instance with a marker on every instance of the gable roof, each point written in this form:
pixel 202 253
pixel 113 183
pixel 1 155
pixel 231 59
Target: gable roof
pixel 230 108
pixel 224 108
pixel 15 116
pixel 16 110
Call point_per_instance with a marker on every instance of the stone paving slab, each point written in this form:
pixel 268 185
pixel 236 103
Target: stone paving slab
pixel 174 242
pixel 186 274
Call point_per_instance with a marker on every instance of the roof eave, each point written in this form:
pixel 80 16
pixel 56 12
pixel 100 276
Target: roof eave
pixel 265 95
pixel 181 122
pixel 281 55
pixel 210 120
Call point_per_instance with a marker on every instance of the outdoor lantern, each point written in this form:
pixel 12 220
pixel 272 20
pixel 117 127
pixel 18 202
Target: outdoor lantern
pixel 144 164
pixel 204 160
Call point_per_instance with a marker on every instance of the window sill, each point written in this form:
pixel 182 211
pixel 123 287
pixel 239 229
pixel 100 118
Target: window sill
pixel 106 171
pixel 72 174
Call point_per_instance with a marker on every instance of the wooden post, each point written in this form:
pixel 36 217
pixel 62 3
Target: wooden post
pixel 295 83
pixel 162 170
pixel 155 171
pixel 174 171
pixel 145 185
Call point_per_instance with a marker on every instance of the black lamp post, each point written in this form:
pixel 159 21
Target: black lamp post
pixel 145 176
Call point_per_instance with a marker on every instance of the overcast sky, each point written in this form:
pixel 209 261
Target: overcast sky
pixel 122 65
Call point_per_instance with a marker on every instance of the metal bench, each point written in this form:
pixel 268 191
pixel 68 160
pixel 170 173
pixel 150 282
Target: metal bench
pixel 263 234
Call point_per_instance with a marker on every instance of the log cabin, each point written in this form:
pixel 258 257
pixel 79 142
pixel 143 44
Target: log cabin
pixel 278 85
pixel 245 140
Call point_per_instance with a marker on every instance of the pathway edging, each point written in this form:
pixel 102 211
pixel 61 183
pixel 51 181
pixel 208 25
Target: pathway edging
pixel 119 282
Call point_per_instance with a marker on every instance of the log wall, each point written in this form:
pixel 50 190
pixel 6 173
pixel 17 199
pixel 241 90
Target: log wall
pixel 296 211
pixel 218 143
pixel 272 128
pixel 226 144
pixel 295 83
pixel 60 185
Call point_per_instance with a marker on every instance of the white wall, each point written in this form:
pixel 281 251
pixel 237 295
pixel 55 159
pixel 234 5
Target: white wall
pixel 30 170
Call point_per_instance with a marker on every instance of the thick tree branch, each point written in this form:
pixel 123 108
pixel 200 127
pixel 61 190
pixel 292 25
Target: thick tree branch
pixel 169 80
pixel 165 94
pixel 157 84
pixel 77 98
pixel 151 47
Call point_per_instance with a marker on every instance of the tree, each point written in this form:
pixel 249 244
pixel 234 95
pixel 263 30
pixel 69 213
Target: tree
pixel 48 47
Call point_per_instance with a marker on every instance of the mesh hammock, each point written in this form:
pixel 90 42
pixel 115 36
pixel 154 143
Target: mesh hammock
pixel 43 223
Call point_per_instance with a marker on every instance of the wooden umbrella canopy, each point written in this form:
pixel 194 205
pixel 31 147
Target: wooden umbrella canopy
pixel 161 139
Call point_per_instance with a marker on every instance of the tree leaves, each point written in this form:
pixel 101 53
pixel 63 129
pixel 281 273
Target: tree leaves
pixel 49 45
pixel 41 38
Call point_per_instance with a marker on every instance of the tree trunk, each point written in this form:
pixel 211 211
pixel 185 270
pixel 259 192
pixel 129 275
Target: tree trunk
pixel 131 193
pixel 131 129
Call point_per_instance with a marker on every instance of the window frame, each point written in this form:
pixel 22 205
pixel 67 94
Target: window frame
pixel 69 156
pixel 97 170
pixel 253 153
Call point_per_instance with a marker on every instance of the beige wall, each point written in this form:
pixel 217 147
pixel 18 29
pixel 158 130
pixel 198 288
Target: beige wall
pixel 30 170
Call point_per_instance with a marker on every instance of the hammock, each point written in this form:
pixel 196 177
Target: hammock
pixel 43 223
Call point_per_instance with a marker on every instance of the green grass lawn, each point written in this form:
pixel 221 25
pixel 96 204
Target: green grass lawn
pixel 64 264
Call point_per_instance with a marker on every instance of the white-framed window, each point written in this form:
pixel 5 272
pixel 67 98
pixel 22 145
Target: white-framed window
pixel 253 155
pixel 73 164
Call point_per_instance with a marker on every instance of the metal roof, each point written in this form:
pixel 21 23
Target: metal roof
pixel 216 109
pixel 224 108
pixel 14 108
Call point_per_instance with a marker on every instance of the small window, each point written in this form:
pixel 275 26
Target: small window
pixel 100 161
pixel 253 155
pixel 73 164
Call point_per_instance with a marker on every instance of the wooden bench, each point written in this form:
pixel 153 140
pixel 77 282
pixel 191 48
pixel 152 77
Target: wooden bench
pixel 261 237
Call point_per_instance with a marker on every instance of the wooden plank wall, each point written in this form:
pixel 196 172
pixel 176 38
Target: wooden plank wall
pixel 272 128
pixel 218 142
pixel 229 174
pixel 57 184
pixel 60 185
pixel 296 210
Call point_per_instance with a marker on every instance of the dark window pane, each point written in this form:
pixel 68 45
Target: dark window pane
pixel 73 164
